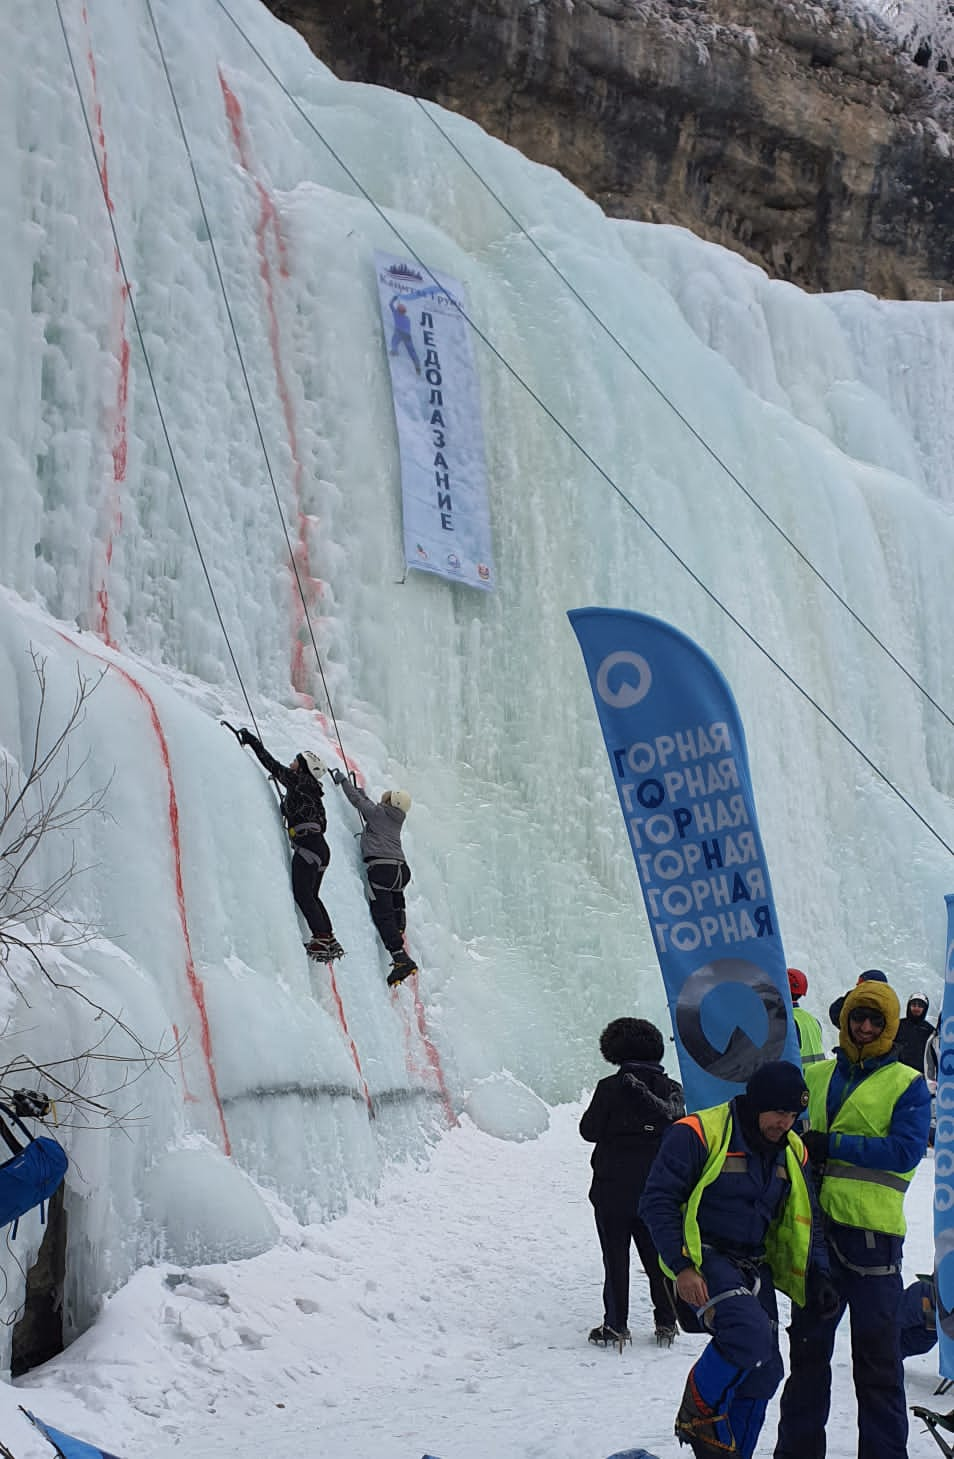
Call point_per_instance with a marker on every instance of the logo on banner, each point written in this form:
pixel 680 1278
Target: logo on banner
pixel 742 1055
pixel 628 693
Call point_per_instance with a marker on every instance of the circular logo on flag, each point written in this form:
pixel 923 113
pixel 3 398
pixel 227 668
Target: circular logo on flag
pixel 741 1054
pixel 631 686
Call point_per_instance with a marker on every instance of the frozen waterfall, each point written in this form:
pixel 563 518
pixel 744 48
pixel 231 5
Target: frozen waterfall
pixel 524 913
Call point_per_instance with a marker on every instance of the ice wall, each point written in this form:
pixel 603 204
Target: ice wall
pixel 524 910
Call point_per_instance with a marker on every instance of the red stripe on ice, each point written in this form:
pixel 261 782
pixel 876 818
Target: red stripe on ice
pixel 195 982
pixel 268 229
pixel 119 345
pixel 433 1057
pixel 351 1043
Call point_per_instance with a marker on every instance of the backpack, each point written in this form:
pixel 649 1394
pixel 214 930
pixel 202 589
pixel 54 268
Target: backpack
pixel 31 1175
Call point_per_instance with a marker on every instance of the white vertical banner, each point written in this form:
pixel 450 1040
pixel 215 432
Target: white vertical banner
pixel 440 435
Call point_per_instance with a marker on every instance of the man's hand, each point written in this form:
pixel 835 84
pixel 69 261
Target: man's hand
pixel 816 1142
pixel 824 1298
pixel 691 1286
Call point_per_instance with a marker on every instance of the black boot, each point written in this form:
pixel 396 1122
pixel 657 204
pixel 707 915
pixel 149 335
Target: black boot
pixel 401 967
pixel 604 1335
pixel 701 1427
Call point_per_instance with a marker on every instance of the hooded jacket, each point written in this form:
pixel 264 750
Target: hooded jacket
pixel 913 1034
pixel 906 1141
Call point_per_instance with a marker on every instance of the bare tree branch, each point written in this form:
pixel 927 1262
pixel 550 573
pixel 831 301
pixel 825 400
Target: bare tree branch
pixel 38 801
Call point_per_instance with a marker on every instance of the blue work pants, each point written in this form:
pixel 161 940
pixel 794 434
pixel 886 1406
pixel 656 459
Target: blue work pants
pixel 742 1366
pixel 872 1301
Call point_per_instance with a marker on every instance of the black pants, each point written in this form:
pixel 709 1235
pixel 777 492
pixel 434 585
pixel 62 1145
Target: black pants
pixel 617 1224
pixel 872 1304
pixel 386 883
pixel 310 857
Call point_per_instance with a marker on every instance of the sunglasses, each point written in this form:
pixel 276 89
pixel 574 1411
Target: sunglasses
pixel 865 1015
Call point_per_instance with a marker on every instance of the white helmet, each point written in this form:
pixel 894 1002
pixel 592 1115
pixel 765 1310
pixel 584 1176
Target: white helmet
pixel 400 799
pixel 313 762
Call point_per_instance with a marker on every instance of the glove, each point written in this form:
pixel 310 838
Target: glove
pixel 816 1142
pixel 336 776
pixel 824 1298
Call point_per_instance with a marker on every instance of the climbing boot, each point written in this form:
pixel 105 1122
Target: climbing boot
pixel 401 967
pixel 604 1336
pixel 701 1427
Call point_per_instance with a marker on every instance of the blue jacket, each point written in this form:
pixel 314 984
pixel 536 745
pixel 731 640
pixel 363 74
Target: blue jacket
pixel 735 1210
pixel 902 1148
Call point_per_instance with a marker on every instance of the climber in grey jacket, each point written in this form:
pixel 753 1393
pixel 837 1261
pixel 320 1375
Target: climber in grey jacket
pixel 385 867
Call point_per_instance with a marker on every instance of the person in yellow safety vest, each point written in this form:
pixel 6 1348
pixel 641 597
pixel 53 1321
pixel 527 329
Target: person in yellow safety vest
pixel 869 1117
pixel 807 1026
pixel 731 1214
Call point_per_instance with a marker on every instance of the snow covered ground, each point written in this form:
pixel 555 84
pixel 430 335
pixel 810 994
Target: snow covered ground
pixel 447 1317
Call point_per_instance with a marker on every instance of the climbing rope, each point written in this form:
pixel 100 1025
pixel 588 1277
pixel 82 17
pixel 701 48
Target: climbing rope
pixel 604 474
pixel 683 419
pixel 245 377
pixel 149 370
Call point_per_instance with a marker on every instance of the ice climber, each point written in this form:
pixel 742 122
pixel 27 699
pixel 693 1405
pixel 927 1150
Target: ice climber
pixel 626 1119
pixel 807 1026
pixel 731 1212
pixel 402 331
pixel 385 867
pixel 869 1117
pixel 303 809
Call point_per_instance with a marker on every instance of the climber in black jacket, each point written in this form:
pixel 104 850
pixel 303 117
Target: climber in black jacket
pixel 303 809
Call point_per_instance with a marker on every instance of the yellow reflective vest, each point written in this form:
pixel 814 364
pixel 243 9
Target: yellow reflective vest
pixel 809 1037
pixel 855 1195
pixel 789 1237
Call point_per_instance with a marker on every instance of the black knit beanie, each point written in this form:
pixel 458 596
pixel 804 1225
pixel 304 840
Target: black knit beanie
pixel 778 1086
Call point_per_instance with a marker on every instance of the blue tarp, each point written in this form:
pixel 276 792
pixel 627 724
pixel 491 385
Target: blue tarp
pixel 65 1446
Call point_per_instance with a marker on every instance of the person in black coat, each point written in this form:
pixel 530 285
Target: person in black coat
pixel 303 810
pixel 626 1119
pixel 914 1032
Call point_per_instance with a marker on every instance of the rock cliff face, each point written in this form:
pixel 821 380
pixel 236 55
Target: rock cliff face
pixel 791 132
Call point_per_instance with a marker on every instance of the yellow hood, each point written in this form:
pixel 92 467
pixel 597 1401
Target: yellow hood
pixel 870 995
